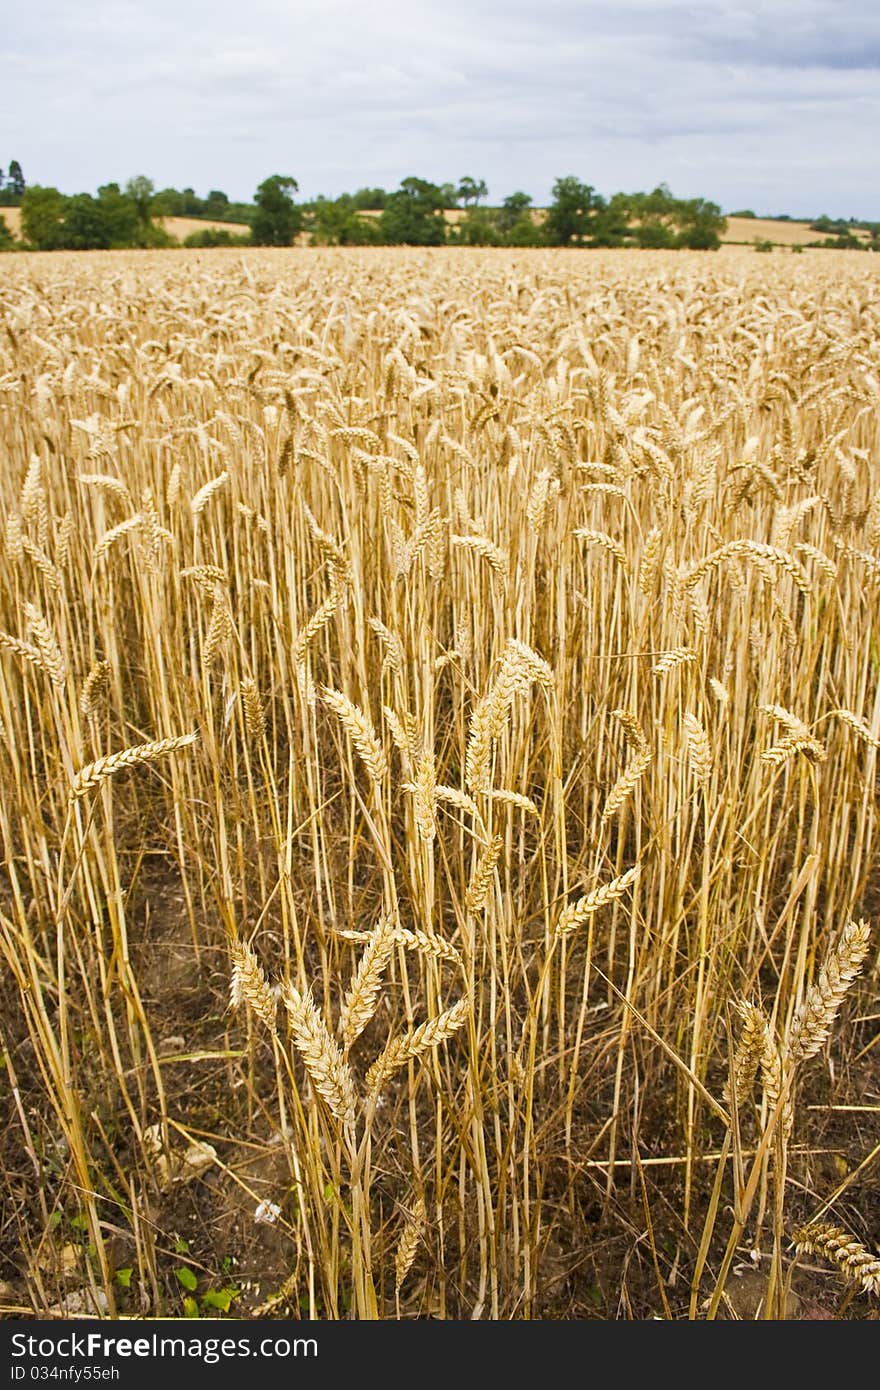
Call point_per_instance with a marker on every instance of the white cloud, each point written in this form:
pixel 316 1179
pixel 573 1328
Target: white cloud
pixel 768 102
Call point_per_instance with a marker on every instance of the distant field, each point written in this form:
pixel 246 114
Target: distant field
pixel 180 227
pixel 783 233
pixel 12 218
pixel 739 229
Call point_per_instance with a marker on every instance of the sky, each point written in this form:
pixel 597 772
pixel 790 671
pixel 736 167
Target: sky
pixel 772 105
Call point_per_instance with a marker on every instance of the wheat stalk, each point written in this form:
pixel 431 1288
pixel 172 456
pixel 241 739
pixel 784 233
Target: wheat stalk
pixel 207 491
pixel 95 687
pixel 747 1057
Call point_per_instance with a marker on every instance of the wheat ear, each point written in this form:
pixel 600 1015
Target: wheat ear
pixel 576 913
pixel 249 985
pixel 360 731
pixel 814 1020
pixel 850 1255
pixel 328 1070
pixel 747 1057
pixel 412 1233
pixel 413 1044
pixel 94 773
pixel 481 879
pixel 362 995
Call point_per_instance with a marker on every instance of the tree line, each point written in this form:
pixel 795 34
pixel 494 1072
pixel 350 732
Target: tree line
pixel 414 214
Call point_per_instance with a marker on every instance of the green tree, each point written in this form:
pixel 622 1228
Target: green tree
pixel 701 223
pixel 86 226
pixel 15 183
pixel 216 204
pixel 609 225
pixel 512 209
pixel 335 222
pixel 140 190
pixel 277 218
pixel 478 228
pixel 413 215
pixel 572 212
pixel 654 235
pixel 7 240
pixel 167 203
pixel 120 215
pixel 470 191
pixel 42 217
pixel 215 236
pixel 369 199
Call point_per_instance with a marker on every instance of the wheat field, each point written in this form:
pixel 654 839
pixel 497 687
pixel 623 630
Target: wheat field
pixel 440 704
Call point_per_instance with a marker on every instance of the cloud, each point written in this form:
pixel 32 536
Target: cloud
pixel 740 102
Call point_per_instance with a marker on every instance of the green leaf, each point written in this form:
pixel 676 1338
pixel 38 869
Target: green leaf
pixel 123 1277
pixel 219 1298
pixel 185 1276
pixel 181 1246
pixel 190 1308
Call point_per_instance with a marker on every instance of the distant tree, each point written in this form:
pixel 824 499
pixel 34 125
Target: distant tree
pixel 742 212
pixel 277 218
pixel 215 236
pixel 512 209
pixel 609 225
pixel 2 176
pixel 216 204
pixel 449 194
pixel 167 203
pixel 336 222
pixel 15 180
pixel 478 228
pixel 87 226
pixel 701 223
pixel 470 191
pixel 121 216
pixel 140 190
pixel 42 218
pixel 7 240
pixel 525 232
pixel 413 215
pixel 572 212
pixel 369 199
pixel 652 234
